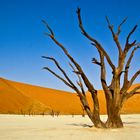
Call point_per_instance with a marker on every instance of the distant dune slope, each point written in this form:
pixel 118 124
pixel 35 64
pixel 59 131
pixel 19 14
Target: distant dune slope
pixel 13 100
pixel 17 97
pixel 58 101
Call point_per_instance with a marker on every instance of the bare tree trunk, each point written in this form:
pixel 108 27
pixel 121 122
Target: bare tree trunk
pixel 114 104
pixel 96 120
pixel 94 116
pixel 114 119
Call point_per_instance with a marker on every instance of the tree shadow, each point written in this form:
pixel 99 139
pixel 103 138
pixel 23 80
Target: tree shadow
pixel 83 125
pixel 130 122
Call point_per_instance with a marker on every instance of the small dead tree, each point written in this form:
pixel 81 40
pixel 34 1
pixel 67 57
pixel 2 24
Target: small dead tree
pixel 22 112
pixel 44 112
pixel 115 94
pixel 57 113
pixel 30 109
pixel 52 113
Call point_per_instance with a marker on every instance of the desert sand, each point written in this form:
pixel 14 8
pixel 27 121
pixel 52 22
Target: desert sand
pixel 20 98
pixel 19 127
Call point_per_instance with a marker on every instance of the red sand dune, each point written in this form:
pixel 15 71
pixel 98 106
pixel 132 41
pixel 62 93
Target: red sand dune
pixel 20 98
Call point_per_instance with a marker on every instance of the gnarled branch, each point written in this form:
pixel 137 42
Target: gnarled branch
pixel 130 58
pixel 119 27
pixel 84 77
pixel 48 27
pixel 127 44
pixel 133 92
pixel 95 61
pixel 56 75
pixel 94 41
pixel 103 76
pixel 116 35
pixel 79 82
pixel 127 83
pixel 62 70
pixel 134 77
pixel 90 87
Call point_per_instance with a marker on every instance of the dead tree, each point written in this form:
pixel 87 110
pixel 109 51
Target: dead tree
pixel 115 94
pixel 52 113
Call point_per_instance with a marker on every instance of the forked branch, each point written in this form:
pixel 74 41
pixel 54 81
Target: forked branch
pixel 103 76
pixel 130 58
pixel 60 68
pixel 59 77
pixel 133 92
pixel 95 61
pixel 79 82
pixel 48 27
pixel 84 77
pixel 128 45
pixel 134 77
pixel 119 27
pixel 127 83
pixel 94 41
pixel 116 35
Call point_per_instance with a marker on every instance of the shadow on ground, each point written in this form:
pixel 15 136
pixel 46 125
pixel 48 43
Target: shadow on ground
pixel 83 125
pixel 130 122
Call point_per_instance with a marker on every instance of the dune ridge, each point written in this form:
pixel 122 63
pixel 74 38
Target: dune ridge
pixel 19 98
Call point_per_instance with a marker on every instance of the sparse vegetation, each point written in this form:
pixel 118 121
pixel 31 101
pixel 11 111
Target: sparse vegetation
pixel 72 115
pixel 22 112
pixel 57 113
pixel 30 109
pixel 52 113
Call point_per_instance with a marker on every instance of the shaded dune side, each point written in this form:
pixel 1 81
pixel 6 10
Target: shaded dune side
pixel 59 101
pixel 14 101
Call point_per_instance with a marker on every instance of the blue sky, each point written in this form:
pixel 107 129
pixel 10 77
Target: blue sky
pixel 22 39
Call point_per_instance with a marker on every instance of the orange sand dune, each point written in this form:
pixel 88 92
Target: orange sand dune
pixel 14 101
pixel 17 97
pixel 58 101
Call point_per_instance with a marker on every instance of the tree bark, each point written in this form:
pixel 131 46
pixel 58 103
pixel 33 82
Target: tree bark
pixel 94 116
pixel 114 119
pixel 95 119
pixel 114 104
